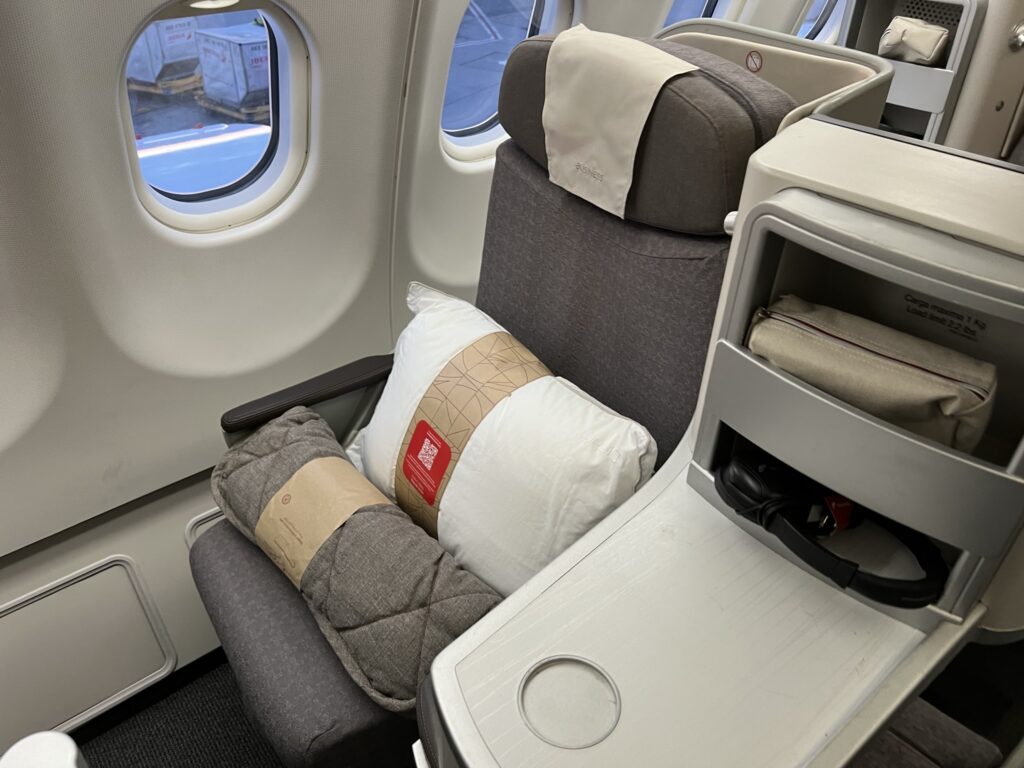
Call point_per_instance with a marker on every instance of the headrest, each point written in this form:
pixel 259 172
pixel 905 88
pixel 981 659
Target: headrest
pixel 693 153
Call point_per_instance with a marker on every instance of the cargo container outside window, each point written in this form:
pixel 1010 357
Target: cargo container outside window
pixel 202 94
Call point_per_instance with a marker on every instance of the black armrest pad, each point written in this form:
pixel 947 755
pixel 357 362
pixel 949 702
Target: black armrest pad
pixel 348 378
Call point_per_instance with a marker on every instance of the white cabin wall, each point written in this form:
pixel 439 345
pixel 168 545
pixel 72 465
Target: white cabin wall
pixel 992 97
pixel 127 339
pixel 636 19
pixel 441 202
pixel 122 340
pixel 83 646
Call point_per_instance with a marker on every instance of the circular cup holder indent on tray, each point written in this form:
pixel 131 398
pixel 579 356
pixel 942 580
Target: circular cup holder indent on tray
pixel 569 702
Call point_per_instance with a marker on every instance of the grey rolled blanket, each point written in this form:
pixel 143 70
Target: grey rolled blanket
pixel 385 594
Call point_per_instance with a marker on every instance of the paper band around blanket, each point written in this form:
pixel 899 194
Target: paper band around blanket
pixel 457 401
pixel 308 508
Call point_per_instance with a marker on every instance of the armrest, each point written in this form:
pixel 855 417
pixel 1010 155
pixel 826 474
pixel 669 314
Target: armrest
pixel 348 378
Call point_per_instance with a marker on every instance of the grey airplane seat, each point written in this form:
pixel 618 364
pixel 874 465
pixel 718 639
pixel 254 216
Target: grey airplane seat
pixel 623 308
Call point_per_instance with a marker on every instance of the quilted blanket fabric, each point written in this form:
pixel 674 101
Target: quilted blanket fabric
pixel 385 594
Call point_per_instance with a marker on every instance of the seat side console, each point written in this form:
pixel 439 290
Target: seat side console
pixel 683 631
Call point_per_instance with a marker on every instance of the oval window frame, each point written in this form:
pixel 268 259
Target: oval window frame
pixel 275 176
pixel 481 141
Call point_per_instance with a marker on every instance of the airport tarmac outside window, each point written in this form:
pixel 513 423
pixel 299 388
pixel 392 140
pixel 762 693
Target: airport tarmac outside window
pixel 201 91
pixel 490 29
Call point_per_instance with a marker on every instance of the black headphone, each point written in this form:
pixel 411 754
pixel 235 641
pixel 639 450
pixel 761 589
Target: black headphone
pixel 767 492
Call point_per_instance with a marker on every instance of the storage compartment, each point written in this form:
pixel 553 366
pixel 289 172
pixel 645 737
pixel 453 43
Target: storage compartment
pixel 971 508
pixel 921 94
pixel 905 121
pixel 878 15
pixel 965 502
pixel 973 332
pixel 913 280
pixel 853 531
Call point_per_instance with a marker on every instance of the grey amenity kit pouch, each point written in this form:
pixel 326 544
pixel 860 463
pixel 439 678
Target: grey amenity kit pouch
pixel 922 387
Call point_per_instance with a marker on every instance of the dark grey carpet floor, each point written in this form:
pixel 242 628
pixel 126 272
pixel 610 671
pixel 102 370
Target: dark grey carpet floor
pixel 983 688
pixel 196 720
pixel 199 724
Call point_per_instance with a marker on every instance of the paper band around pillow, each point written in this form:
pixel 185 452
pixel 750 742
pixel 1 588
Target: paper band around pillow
pixel 457 401
pixel 308 508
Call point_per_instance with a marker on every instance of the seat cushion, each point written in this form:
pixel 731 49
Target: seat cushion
pixel 920 736
pixel 294 688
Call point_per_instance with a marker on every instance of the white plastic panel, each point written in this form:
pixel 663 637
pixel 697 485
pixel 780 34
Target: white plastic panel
pixel 108 641
pixel 149 533
pixel 441 199
pixel 201 523
pixel 698 626
pixel 419 756
pixel 995 77
pixel 919 87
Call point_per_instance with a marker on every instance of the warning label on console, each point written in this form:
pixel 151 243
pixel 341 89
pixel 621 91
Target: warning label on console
pixel 955 321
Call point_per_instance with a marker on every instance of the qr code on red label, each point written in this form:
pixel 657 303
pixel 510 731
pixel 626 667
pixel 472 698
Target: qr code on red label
pixel 427 454
pixel 426 460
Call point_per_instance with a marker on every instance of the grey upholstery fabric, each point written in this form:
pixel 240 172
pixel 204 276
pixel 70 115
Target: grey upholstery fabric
pixel 621 310
pixel 294 688
pixel 694 150
pixel 384 593
pixel 920 736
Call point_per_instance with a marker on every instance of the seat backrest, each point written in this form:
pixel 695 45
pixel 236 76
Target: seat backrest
pixel 622 309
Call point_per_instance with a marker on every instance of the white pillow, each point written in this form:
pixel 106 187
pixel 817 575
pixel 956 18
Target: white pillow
pixel 541 468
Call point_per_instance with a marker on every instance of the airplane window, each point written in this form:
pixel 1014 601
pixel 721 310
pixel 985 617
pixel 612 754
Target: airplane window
pixel 487 34
pixel 682 10
pixel 823 20
pixel 201 96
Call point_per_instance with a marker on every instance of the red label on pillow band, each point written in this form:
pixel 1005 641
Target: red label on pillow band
pixel 426 460
pixel 460 397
